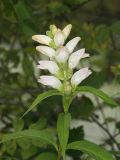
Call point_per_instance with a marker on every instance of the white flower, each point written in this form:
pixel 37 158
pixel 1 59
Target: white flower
pixel 50 65
pixel 59 38
pixel 72 44
pixel 50 81
pixel 62 55
pixel 66 30
pixel 76 57
pixel 80 75
pixel 43 39
pixel 48 51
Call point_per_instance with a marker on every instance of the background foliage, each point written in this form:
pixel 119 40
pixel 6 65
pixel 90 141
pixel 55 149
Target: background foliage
pixel 98 24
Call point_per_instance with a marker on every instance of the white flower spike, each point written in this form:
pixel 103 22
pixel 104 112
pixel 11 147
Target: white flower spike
pixel 62 55
pixel 62 60
pixel 48 51
pixel 79 76
pixel 76 57
pixel 49 65
pixel 72 44
pixel 43 39
pixel 66 31
pixel 50 81
pixel 59 38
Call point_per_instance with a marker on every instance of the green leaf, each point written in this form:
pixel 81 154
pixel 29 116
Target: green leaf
pixel 21 10
pixel 115 27
pixel 63 125
pixel 98 93
pixel 46 155
pixel 41 97
pixel 18 124
pixel 33 134
pixel 91 149
pixel 28 153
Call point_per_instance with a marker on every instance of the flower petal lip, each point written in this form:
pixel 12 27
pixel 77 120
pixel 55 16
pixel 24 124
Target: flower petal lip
pixel 66 31
pixel 50 81
pixel 43 39
pixel 48 51
pixel 75 58
pixel 62 55
pixel 59 38
pixel 80 75
pixel 72 44
pixel 50 65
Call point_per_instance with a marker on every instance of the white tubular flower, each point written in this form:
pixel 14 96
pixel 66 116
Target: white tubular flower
pixel 62 55
pixel 72 44
pixel 48 51
pixel 50 65
pixel 80 75
pixel 59 38
pixel 76 57
pixel 43 39
pixel 50 81
pixel 66 31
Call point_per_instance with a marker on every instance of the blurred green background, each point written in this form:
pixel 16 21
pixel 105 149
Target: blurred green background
pixel 97 22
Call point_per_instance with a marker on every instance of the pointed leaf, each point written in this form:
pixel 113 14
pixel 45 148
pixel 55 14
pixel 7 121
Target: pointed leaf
pixel 91 149
pixel 63 125
pixel 98 93
pixel 33 134
pixel 41 97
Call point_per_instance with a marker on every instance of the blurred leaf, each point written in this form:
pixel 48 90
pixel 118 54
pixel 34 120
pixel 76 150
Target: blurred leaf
pixel 102 34
pixel 46 155
pixel 115 27
pixel 98 93
pixel 92 149
pixel 82 108
pixel 76 134
pixel 58 8
pixel 76 2
pixel 18 124
pixel 21 10
pixel 27 66
pixel 41 97
pixel 41 124
pixel 11 147
pixel 28 153
pixel 42 135
pixel 118 125
pixel 24 143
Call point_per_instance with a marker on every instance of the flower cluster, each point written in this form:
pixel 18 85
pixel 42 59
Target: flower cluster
pixel 62 59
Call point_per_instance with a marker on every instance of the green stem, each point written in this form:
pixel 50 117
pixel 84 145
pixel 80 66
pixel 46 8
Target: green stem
pixel 59 154
pixel 64 156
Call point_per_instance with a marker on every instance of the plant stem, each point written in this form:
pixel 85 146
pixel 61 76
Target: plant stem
pixel 59 154
pixel 64 157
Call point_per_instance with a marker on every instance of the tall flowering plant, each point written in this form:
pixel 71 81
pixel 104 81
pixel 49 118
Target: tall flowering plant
pixel 62 60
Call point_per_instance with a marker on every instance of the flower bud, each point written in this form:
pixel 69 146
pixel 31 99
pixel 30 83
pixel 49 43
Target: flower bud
pixel 48 51
pixel 66 30
pixel 76 57
pixel 79 76
pixel 53 29
pixel 50 65
pixel 72 44
pixel 62 55
pixel 59 38
pixel 43 39
pixel 50 81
